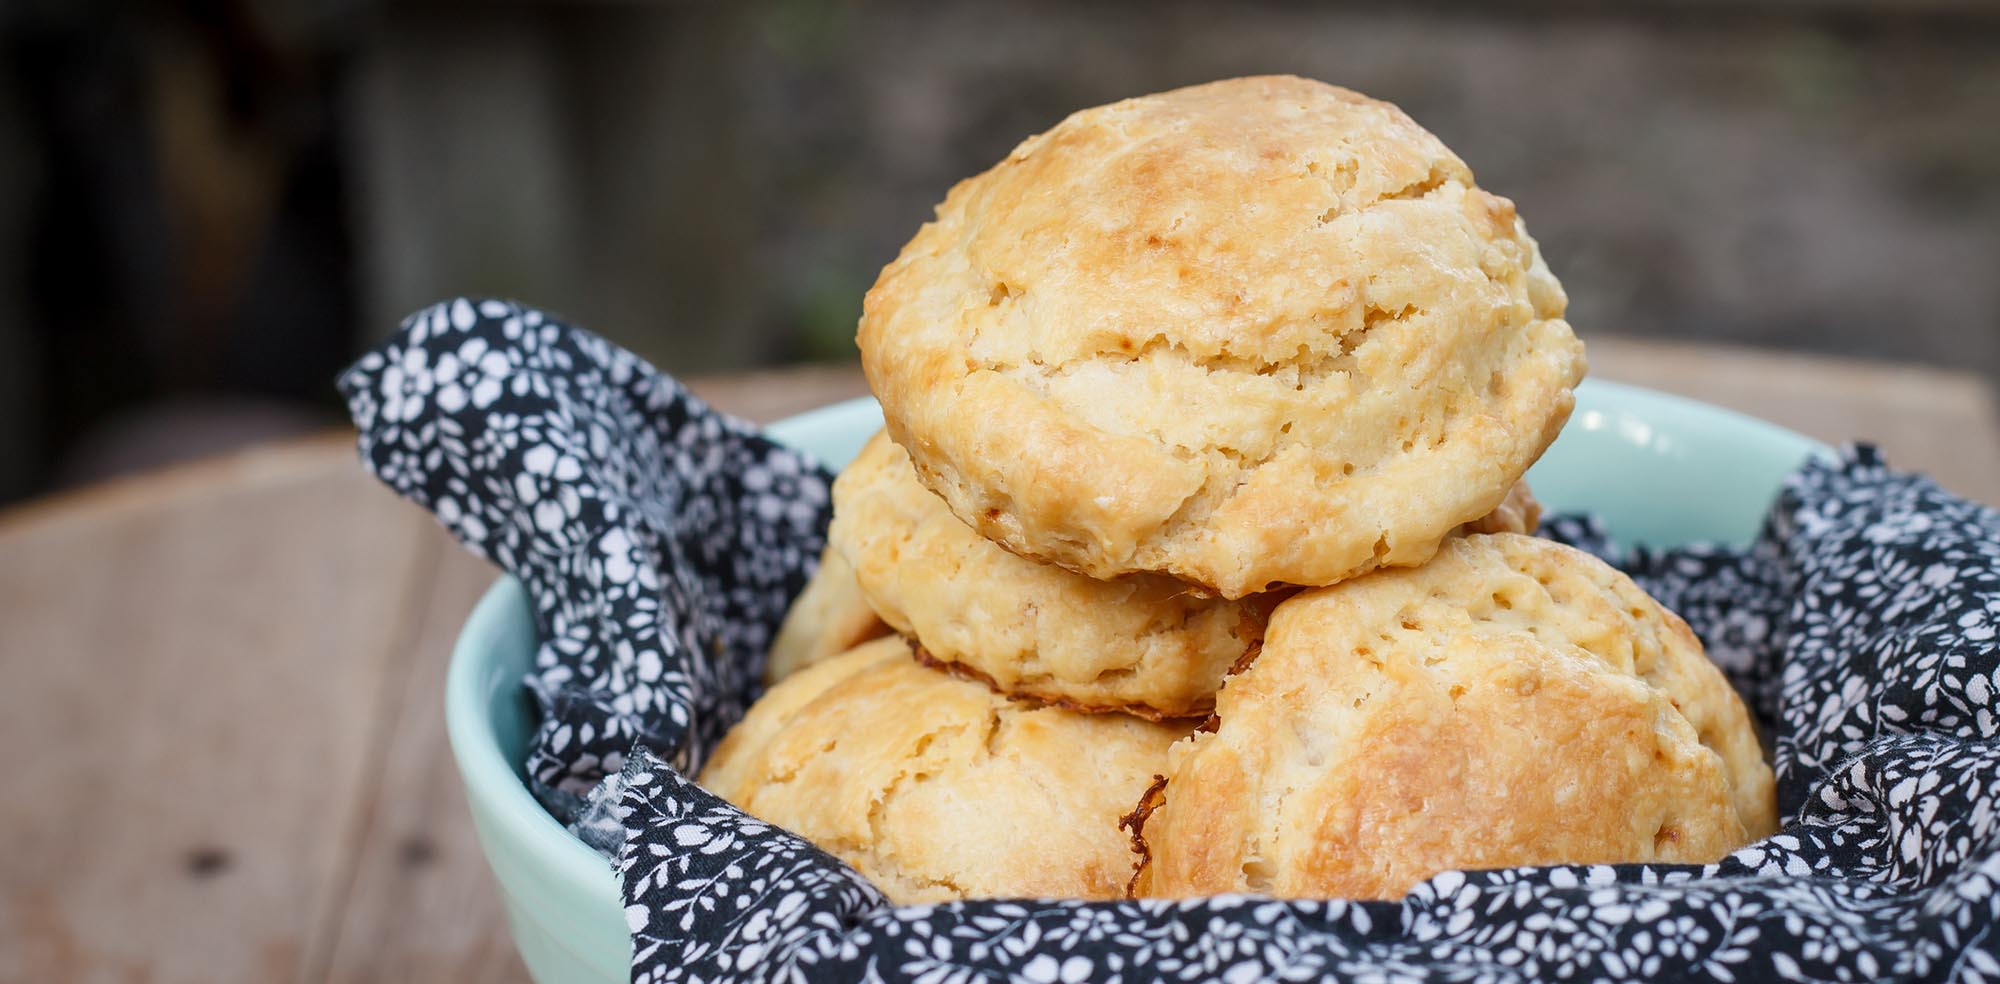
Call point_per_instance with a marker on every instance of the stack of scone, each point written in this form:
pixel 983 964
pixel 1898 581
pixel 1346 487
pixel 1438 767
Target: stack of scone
pixel 1199 510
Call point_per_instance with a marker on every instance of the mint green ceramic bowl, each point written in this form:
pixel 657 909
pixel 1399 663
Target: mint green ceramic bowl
pixel 1660 470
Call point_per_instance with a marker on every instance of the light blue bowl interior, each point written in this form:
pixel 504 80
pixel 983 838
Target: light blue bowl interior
pixel 1659 469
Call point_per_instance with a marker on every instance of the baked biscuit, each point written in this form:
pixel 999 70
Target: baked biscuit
pixel 1145 643
pixel 1512 702
pixel 828 618
pixel 1259 332
pixel 935 788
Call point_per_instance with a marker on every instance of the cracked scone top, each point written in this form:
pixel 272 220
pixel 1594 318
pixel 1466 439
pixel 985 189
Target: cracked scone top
pixel 1254 332
pixel 1512 702
pixel 935 788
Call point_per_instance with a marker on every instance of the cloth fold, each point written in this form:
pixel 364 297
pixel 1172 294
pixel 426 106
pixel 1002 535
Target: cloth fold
pixel 661 541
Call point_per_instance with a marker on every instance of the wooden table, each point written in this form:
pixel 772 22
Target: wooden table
pixel 221 690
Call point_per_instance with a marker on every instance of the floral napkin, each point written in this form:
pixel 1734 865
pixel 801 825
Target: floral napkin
pixel 660 543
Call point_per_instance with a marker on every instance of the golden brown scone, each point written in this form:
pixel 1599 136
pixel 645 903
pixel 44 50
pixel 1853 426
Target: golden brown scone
pixel 1262 331
pixel 1514 701
pixel 828 618
pixel 1145 643
pixel 935 788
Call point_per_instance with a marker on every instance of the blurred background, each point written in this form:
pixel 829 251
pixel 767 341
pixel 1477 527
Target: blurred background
pixel 207 208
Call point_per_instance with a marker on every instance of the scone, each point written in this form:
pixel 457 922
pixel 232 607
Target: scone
pixel 828 618
pixel 1512 702
pixel 1145 644
pixel 1259 332
pixel 935 788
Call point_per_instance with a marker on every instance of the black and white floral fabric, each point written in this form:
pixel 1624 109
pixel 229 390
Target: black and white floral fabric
pixel 660 543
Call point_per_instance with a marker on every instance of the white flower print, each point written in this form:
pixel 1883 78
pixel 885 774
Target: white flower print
pixel 660 543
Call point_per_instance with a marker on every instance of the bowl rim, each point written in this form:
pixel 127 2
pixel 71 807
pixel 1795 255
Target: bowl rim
pixel 495 785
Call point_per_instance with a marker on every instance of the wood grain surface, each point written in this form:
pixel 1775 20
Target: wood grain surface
pixel 222 689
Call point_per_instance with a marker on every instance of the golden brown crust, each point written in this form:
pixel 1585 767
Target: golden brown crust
pixel 1512 702
pixel 934 787
pixel 1134 824
pixel 828 618
pixel 1145 644
pixel 964 672
pixel 1257 332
